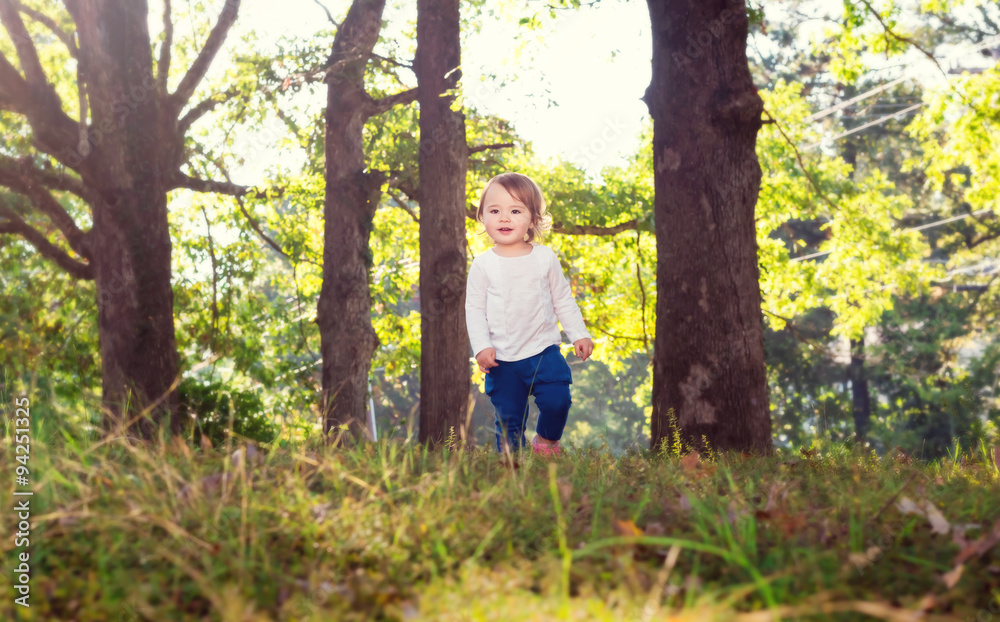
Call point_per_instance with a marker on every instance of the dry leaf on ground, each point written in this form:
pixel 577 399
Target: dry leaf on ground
pixel 951 577
pixel 627 528
pixel 980 546
pixel 939 524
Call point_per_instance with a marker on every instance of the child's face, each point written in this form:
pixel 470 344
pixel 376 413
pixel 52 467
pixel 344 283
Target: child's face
pixel 507 220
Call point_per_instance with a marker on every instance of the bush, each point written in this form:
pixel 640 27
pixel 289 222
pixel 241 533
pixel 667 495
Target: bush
pixel 212 408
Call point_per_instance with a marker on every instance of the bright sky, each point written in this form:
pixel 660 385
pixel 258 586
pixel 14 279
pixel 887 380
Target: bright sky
pixel 593 67
pixel 572 90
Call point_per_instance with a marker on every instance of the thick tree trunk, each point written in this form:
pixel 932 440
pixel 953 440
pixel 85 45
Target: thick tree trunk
pixel 128 161
pixel 347 339
pixel 444 358
pixel 708 371
pixel 121 155
pixel 135 321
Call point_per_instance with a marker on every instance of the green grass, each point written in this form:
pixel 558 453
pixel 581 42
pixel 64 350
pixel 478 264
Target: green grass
pixel 395 531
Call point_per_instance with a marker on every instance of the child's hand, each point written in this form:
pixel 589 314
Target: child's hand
pixel 486 359
pixel 584 348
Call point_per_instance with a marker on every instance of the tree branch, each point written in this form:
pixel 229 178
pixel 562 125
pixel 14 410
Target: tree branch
pixel 14 224
pixel 403 206
pixel 25 47
pixel 24 179
pixel 971 243
pixel 329 15
pixel 898 37
pixel 802 163
pixel 51 24
pixel 392 61
pixel 13 90
pixel 239 200
pixel 201 64
pixel 573 229
pixel 479 148
pixel 209 185
pixel 54 132
pixel 378 106
pixel 203 108
pixel 163 65
pixel 48 178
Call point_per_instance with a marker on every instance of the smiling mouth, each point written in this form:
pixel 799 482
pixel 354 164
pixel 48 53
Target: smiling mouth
pixel 505 229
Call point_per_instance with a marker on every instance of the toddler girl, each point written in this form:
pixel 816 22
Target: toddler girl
pixel 515 294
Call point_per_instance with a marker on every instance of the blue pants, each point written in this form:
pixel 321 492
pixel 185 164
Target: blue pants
pixel 547 377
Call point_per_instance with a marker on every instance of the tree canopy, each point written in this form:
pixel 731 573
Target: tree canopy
pixel 877 218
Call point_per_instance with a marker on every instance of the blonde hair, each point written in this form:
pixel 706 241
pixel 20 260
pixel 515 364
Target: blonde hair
pixel 525 190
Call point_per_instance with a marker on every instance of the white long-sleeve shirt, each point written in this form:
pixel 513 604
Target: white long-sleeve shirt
pixel 513 304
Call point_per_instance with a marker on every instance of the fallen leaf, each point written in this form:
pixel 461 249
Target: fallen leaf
pixel 951 578
pixel 906 506
pixel 979 546
pixel 206 443
pixel 627 528
pixel 859 560
pixel 181 447
pixel 939 524
pixel 927 603
pixel 808 453
pixel 655 529
pixel 958 533
pixel 690 461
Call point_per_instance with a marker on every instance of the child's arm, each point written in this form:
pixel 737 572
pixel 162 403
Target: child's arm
pixel 475 314
pixel 567 310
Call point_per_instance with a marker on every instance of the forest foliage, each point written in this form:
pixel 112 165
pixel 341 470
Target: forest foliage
pixel 855 241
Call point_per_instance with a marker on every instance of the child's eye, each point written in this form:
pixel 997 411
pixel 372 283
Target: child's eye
pixel 515 211
pixel 494 211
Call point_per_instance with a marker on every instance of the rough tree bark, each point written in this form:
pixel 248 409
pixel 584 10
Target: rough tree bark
pixel 347 339
pixel 444 358
pixel 708 368
pixel 121 164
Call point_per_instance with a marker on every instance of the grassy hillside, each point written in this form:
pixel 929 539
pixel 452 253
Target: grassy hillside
pixel 393 531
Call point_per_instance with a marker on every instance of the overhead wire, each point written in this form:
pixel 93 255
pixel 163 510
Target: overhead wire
pixel 861 128
pixel 936 223
pixel 879 89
